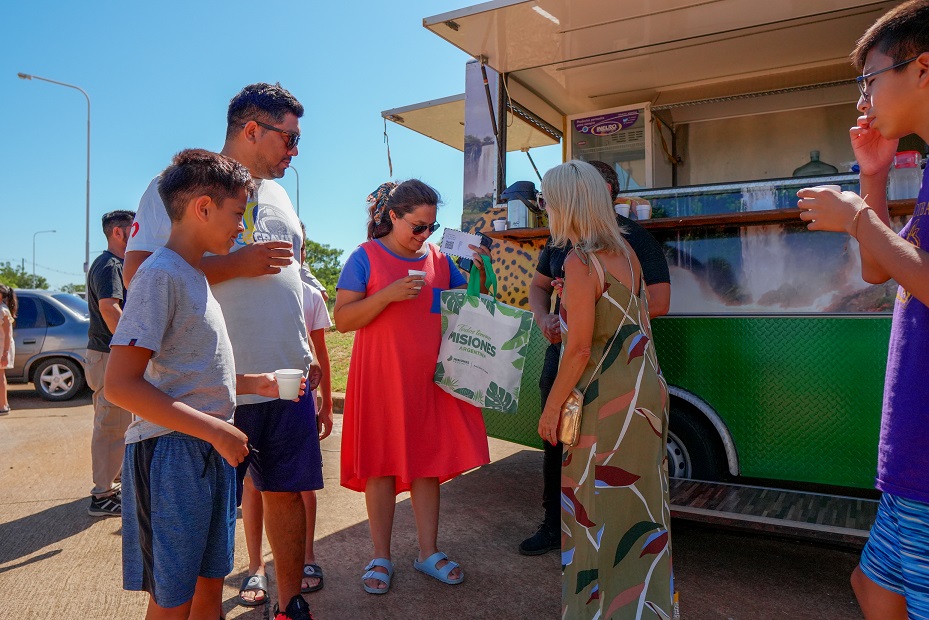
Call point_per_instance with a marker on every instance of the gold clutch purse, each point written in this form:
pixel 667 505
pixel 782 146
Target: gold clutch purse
pixel 569 427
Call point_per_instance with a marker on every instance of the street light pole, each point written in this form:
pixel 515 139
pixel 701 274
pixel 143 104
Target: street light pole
pixel 26 76
pixel 298 189
pixel 33 252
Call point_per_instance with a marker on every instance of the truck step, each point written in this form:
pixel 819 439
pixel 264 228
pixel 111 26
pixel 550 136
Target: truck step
pixel 834 519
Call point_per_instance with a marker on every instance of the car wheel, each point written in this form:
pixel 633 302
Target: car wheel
pixel 694 448
pixel 58 378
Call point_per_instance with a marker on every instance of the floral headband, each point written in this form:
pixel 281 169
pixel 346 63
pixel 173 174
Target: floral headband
pixel 378 199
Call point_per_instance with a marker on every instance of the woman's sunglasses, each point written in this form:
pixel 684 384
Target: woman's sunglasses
pixel 421 228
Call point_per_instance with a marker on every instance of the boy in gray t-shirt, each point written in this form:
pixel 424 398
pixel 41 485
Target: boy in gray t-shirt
pixel 171 365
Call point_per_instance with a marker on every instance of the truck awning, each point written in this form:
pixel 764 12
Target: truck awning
pixel 596 54
pixel 443 120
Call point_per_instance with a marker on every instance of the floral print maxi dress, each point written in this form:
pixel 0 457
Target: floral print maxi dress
pixel 615 511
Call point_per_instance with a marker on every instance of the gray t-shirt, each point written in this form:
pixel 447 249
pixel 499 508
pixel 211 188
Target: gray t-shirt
pixel 173 313
pixel 264 315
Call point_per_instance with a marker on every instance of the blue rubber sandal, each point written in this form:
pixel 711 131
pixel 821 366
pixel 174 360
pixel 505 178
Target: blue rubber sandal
pixel 428 566
pixel 373 574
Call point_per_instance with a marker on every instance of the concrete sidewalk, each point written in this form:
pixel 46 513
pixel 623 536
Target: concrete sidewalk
pixel 58 562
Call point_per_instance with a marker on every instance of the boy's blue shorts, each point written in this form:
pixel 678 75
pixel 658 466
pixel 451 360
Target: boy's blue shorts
pixel 285 455
pixel 896 556
pixel 178 516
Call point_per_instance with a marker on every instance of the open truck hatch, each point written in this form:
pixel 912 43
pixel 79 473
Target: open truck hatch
pixel 600 53
pixel 443 120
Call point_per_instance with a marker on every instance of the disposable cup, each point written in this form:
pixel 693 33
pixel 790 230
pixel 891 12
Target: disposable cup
pixel 835 188
pixel 622 209
pixel 417 273
pixel 288 383
pixel 500 224
pixel 643 212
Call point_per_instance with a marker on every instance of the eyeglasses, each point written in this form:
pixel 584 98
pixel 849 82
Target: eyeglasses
pixel 862 80
pixel 540 200
pixel 421 228
pixel 292 138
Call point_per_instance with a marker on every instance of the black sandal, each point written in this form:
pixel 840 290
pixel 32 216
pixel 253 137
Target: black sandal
pixel 253 583
pixel 312 571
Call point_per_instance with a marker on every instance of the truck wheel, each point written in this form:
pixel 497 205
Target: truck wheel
pixel 58 378
pixel 694 449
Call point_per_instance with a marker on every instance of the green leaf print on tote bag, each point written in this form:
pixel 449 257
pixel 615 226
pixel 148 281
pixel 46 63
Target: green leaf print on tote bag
pixel 484 345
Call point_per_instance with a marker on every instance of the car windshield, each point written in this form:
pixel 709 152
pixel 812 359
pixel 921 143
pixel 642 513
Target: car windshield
pixel 73 303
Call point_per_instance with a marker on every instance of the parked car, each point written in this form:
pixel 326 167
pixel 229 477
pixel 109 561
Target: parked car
pixel 50 333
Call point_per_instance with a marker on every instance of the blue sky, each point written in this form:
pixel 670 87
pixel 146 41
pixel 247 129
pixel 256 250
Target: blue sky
pixel 160 76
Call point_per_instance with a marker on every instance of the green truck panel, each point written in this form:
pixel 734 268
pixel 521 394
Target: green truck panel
pixel 801 396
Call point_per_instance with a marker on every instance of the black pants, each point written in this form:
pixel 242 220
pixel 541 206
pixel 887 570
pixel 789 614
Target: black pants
pixel 551 461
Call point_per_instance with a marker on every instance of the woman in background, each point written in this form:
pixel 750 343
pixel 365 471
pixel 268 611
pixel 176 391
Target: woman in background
pixel 7 346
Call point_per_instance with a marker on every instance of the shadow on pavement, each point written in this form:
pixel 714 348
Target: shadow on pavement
pixel 484 516
pixel 28 534
pixel 26 398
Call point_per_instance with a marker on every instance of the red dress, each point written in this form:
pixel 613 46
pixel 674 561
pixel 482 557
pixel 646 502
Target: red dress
pixel 397 422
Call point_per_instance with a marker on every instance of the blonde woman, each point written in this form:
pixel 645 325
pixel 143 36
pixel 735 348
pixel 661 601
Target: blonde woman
pixel 615 516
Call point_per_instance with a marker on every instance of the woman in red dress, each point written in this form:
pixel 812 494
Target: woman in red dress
pixel 400 431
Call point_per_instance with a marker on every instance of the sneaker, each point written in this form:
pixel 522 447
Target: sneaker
pixel 109 506
pixel 545 540
pixel 297 609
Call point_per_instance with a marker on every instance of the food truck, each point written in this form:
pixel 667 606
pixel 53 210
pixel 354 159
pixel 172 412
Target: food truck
pixel 713 113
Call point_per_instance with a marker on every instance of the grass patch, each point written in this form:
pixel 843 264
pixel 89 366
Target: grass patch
pixel 340 351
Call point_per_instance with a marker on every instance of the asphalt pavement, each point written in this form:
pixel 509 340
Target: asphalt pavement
pixel 58 562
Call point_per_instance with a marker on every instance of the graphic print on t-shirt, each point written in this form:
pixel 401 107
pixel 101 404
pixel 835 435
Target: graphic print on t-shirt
pixel 266 222
pixel 913 236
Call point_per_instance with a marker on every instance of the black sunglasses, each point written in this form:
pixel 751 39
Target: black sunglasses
pixel 421 228
pixel 292 138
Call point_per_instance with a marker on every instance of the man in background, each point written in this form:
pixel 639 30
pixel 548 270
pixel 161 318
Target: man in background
pixel 105 299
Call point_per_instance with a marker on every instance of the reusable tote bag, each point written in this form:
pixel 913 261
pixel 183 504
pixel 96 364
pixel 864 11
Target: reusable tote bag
pixel 484 345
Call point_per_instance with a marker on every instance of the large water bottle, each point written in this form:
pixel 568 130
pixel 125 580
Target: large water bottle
pixel 815 168
pixel 905 176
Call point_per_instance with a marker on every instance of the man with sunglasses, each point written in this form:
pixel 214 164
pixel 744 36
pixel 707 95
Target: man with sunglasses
pixel 259 289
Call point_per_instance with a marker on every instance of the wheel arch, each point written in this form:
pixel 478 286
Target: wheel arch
pixel 711 416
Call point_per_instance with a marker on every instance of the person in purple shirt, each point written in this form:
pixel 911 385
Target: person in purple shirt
pixel 892 577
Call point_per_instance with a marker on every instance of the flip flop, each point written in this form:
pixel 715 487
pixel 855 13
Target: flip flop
pixel 428 566
pixel 4 411
pixel 253 583
pixel 312 570
pixel 373 574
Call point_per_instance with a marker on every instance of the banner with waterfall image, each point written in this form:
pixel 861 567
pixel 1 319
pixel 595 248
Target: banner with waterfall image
pixel 483 352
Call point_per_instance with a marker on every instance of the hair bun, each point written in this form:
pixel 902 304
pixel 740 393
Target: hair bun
pixel 378 200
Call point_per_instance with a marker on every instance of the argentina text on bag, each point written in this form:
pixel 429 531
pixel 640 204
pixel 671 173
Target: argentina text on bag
pixel 484 345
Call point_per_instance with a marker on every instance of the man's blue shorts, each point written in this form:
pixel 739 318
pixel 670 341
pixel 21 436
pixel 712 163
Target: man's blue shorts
pixel 897 554
pixel 178 516
pixel 284 453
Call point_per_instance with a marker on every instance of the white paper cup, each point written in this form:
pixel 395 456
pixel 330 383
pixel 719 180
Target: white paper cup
pixel 288 383
pixel 500 225
pixel 622 209
pixel 835 188
pixel 416 273
pixel 643 212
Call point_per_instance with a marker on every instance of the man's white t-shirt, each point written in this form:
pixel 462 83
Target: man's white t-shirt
pixel 264 315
